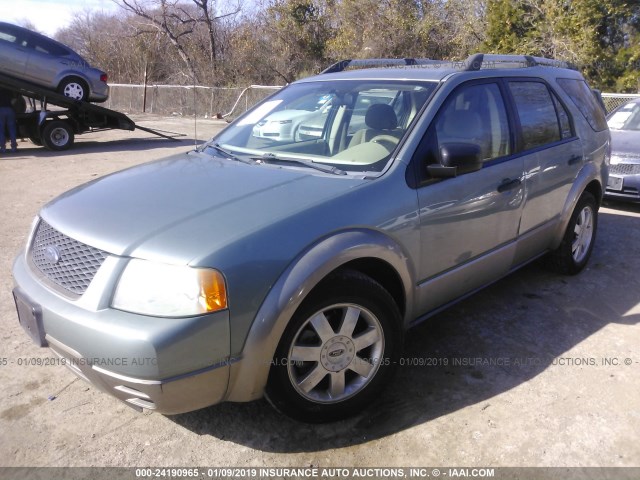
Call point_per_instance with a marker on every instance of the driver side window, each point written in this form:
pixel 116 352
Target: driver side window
pixel 475 115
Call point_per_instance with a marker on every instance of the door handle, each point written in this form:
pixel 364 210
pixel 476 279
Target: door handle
pixel 575 159
pixel 509 184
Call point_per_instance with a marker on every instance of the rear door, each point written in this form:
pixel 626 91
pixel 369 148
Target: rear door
pixel 552 155
pixel 46 60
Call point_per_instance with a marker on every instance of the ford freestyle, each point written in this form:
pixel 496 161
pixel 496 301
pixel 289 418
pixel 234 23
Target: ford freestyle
pixel 292 268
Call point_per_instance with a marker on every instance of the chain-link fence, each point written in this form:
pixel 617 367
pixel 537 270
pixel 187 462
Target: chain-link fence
pixel 614 100
pixel 222 102
pixel 186 100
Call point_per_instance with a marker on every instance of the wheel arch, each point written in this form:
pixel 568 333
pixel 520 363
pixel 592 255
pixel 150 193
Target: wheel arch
pixel 67 74
pixel 368 251
pixel 63 76
pixel 595 189
pixel 589 179
pixel 383 273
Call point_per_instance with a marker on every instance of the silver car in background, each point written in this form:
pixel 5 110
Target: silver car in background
pixel 624 172
pixel 38 59
pixel 283 126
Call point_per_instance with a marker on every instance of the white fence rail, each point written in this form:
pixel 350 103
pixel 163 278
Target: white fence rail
pixel 222 102
pixel 186 100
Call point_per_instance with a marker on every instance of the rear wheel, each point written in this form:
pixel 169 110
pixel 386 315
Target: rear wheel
pixel 74 88
pixel 57 135
pixel 338 351
pixel 577 244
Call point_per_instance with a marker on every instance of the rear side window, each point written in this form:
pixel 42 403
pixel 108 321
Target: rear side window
pixel 537 113
pixel 43 45
pixel 580 94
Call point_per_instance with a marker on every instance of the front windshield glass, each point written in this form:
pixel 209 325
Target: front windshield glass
pixel 626 117
pixel 354 125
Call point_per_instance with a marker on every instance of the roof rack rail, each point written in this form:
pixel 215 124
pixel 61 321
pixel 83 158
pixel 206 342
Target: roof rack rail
pixel 476 61
pixel 473 62
pixel 380 62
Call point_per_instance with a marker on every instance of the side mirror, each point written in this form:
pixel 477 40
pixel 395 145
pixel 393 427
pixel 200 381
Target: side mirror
pixel 457 159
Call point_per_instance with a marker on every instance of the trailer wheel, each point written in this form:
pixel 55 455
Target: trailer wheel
pixel 36 140
pixel 57 135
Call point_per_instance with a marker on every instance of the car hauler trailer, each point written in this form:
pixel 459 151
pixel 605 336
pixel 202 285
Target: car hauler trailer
pixel 56 129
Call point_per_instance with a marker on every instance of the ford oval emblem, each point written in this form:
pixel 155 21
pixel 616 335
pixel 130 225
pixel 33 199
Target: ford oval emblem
pixel 52 254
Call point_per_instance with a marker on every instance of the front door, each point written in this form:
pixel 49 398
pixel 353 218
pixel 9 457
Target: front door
pixel 14 53
pixel 469 223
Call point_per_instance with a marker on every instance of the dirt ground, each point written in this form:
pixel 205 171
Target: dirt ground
pixel 542 370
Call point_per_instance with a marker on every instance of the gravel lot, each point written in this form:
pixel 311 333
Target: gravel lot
pixel 542 370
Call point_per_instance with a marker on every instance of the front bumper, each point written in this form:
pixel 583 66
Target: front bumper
pixel 170 365
pixel 630 191
pixel 181 394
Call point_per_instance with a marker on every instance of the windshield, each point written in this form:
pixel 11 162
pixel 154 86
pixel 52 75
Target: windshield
pixel 353 125
pixel 627 117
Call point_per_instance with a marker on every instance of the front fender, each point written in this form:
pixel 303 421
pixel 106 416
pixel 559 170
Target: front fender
pixel 248 375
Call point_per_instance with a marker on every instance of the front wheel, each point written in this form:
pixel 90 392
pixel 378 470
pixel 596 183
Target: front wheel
pixel 577 244
pixel 338 351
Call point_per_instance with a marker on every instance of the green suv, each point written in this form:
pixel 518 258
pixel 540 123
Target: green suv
pixel 253 266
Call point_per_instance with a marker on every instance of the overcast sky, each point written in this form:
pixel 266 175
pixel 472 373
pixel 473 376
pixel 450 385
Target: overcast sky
pixel 49 15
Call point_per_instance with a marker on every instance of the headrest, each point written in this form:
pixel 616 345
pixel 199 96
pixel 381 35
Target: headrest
pixel 462 125
pixel 381 117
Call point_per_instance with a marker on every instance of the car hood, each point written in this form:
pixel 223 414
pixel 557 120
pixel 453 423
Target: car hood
pixel 183 207
pixel 625 143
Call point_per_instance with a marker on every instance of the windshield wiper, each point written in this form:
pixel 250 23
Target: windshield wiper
pixel 225 152
pixel 272 158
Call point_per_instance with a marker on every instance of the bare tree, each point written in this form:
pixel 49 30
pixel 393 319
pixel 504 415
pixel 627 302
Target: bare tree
pixel 112 42
pixel 169 18
pixel 179 21
pixel 207 15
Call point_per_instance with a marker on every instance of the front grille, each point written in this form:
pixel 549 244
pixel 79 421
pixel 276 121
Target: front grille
pixel 625 169
pixel 63 260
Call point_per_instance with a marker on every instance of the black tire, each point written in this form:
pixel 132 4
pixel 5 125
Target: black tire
pixel 57 135
pixel 36 141
pixel 366 334
pixel 577 244
pixel 74 87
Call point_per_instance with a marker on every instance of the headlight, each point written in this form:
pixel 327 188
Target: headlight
pixel 163 290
